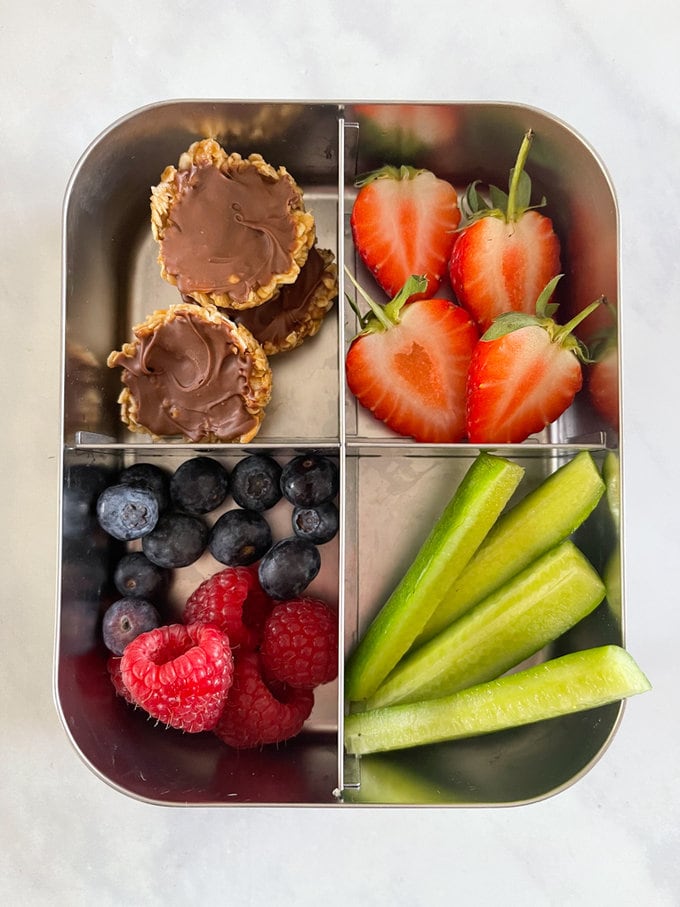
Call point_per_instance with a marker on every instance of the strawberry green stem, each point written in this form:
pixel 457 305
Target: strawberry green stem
pixel 570 326
pixel 543 306
pixel 385 317
pixel 376 310
pixel 388 171
pixel 558 333
pixel 517 170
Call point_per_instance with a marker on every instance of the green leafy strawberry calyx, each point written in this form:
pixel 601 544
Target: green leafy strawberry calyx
pixel 388 171
pixel 380 318
pixel 508 206
pixel 545 310
pixel 605 339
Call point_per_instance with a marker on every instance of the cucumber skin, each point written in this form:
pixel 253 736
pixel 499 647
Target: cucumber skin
pixel 514 622
pixel 611 476
pixel 474 508
pixel 572 683
pixel 561 503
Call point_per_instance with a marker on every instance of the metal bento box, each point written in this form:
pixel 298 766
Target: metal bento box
pixel 391 488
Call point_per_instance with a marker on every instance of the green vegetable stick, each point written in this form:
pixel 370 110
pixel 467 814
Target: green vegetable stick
pixel 612 481
pixel 514 622
pixel 535 524
pixel 571 683
pixel 466 520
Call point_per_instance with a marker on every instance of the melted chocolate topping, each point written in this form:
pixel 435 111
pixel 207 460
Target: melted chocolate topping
pixel 229 232
pixel 188 379
pixel 275 320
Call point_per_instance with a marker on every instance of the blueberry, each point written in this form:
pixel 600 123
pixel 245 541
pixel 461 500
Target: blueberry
pixel 288 568
pixel 239 538
pixel 199 485
pixel 255 482
pixel 178 540
pixel 125 619
pixel 136 577
pixel 309 480
pixel 126 512
pixel 317 524
pixel 151 477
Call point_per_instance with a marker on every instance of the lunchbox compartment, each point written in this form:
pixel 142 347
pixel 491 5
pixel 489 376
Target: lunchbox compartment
pixel 392 488
pixel 468 142
pixel 513 766
pixel 121 743
pixel 112 279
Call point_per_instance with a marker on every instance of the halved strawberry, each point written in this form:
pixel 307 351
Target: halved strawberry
pixel 603 373
pixel 525 372
pixel 403 222
pixel 603 387
pixel 505 252
pixel 409 364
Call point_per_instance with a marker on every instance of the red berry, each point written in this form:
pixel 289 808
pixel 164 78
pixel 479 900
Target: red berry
pixel 255 715
pixel 409 365
pixel 232 600
pixel 403 222
pixel 300 643
pixel 505 252
pixel 180 674
pixel 113 667
pixel 603 387
pixel 603 372
pixel 499 267
pixel 525 372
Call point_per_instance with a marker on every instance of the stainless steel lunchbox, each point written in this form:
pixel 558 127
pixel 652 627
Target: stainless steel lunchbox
pixel 391 488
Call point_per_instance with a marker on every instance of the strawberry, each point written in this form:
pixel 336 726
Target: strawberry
pixel 408 365
pixel 603 373
pixel 506 252
pixel 603 386
pixel 403 222
pixel 525 372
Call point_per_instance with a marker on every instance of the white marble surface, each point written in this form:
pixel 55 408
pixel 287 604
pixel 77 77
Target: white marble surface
pixel 67 70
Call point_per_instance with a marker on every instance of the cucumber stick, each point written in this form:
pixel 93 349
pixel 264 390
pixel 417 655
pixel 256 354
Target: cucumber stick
pixel 514 622
pixel 571 683
pixel 474 508
pixel 546 516
pixel 611 474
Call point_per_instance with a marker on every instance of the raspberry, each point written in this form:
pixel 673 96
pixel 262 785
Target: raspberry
pixel 113 667
pixel 180 674
pixel 255 715
pixel 232 600
pixel 300 643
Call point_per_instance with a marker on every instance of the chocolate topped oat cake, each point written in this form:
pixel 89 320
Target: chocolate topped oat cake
pixel 194 373
pixel 231 230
